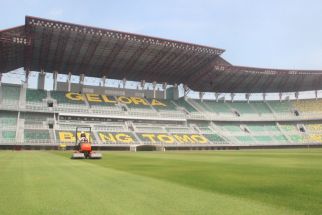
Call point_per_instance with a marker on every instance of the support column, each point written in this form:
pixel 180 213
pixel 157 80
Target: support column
pixel 103 81
pixel 27 72
pixel 264 97
pixel 232 96
pixel 0 78
pixel 186 90
pixel 142 84
pixel 81 82
pixel 316 95
pixel 164 87
pixel 280 95
pixel 247 96
pixel 124 82
pixel 296 95
pixel 154 85
pixel 201 94
pixel 69 78
pixel 217 96
pixel 41 79
pixel 55 76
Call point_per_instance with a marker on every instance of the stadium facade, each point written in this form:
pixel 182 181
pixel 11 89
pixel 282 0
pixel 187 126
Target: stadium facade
pixel 133 119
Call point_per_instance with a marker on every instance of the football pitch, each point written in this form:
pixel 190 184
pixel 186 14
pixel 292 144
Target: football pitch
pixel 199 182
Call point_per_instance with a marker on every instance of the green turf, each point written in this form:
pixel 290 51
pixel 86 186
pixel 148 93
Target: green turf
pixel 218 182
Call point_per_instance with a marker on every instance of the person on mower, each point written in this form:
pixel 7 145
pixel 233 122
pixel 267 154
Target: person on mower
pixel 83 139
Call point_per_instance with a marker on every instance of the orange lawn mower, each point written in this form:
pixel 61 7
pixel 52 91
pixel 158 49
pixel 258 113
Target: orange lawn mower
pixel 83 146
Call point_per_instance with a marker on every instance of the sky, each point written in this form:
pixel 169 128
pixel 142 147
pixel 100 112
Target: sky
pixel 285 34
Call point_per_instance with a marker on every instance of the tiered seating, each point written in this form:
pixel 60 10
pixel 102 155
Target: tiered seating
pixel 214 138
pixel 184 104
pixel 10 92
pixel 245 139
pixel 36 135
pixel 308 105
pixel 314 127
pixel 35 95
pixel 139 105
pixel 169 105
pixel 261 107
pixel 280 107
pixel 262 127
pixel 230 127
pixel 61 98
pixel 241 107
pixel 8 118
pixel 280 138
pixel 288 127
pixel 219 107
pixel 297 138
pixel 263 138
pixel 8 135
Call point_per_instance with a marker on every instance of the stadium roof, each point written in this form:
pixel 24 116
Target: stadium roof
pixel 48 45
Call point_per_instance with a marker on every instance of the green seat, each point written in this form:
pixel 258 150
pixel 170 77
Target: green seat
pixel 10 92
pixel 214 138
pixel 280 107
pixel 36 135
pixel 184 104
pixel 169 106
pixel 242 107
pixel 8 134
pixel 245 139
pixel 263 138
pixel 280 138
pixel 61 98
pixel 261 107
pixel 219 107
pixel 35 95
pixel 297 138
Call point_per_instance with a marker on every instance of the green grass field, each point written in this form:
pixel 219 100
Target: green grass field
pixel 201 182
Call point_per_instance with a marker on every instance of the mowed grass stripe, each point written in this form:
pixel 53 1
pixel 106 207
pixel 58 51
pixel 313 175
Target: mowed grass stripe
pixel 44 183
pixel 282 178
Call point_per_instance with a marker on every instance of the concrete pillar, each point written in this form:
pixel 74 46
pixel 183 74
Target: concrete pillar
pixel 201 94
pixel 41 79
pixel 103 81
pixel 142 84
pixel 217 96
pixel 0 78
pixel 247 96
pixel 69 78
pixel 232 96
pixel 154 85
pixel 296 95
pixel 186 90
pixel 264 96
pixel 280 96
pixel 316 95
pixel 164 87
pixel 27 72
pixel 81 82
pixel 124 82
pixel 55 76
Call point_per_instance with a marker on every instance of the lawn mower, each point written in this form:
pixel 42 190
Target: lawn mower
pixel 83 146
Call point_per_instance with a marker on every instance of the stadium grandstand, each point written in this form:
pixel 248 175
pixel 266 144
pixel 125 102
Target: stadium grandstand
pixel 146 118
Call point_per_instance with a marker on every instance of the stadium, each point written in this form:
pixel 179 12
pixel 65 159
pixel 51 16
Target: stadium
pixel 160 117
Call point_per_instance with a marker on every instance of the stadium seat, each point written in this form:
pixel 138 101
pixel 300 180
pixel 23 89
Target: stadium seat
pixel 307 106
pixel 280 107
pixel 35 95
pixel 184 104
pixel 10 92
pixel 61 98
pixel 30 135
